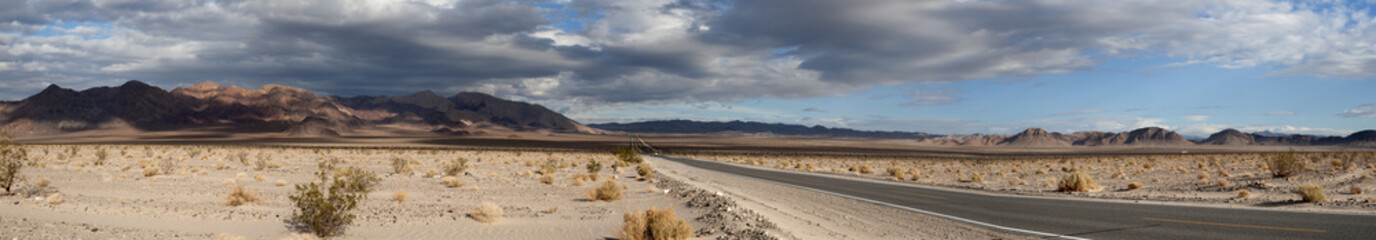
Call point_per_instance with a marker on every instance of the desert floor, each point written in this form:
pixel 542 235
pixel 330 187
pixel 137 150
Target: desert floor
pixel 1214 179
pixel 188 197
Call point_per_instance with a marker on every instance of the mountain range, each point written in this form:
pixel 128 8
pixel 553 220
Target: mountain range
pixel 690 127
pixel 1150 136
pixel 269 109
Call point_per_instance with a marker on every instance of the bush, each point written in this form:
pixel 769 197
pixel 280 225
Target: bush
pixel 325 210
pixel 1310 192
pixel 866 169
pixel 400 165
pixel 594 166
pixel 1286 165
pixel 101 156
pixel 456 167
pixel 627 155
pixel 400 195
pixel 359 180
pixel 12 159
pixel 452 181
pixel 608 191
pixel 547 179
pixel 1134 185
pixel 486 212
pixel 241 196
pixel 1355 189
pixel 1244 193
pixel 1077 182
pixel 645 171
pixel 655 225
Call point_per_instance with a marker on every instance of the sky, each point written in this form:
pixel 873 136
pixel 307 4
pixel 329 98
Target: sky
pixel 945 67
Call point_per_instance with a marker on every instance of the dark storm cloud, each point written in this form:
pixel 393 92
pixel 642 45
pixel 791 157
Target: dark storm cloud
pixel 646 51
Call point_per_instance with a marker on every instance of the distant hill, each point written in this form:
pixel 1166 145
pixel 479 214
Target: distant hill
pixel 269 109
pixel 686 126
pixel 1150 136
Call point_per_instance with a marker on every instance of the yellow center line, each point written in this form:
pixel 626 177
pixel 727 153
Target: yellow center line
pixel 919 195
pixel 1232 225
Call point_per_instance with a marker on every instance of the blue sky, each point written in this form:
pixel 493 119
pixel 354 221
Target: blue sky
pixel 947 67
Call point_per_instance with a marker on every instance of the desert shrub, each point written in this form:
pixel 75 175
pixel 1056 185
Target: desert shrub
pixel 894 171
pixel 899 175
pixel 1244 193
pixel 1224 182
pixel 645 171
pixel 325 210
pixel 547 179
pixel 400 195
pixel 151 171
pixel 547 168
pixel 1134 185
pixel 593 166
pixel 1310 192
pixel 242 157
pixel 979 178
pixel 400 165
pixel 101 155
pixel 486 212
pixel 627 155
pixel 12 158
pixel 54 199
pixel 359 180
pixel 281 183
pixel 1355 189
pixel 655 225
pixel 241 196
pixel 452 181
pixel 1077 182
pixel 44 182
pixel 608 191
pixel 1285 165
pixel 456 167
pixel 866 169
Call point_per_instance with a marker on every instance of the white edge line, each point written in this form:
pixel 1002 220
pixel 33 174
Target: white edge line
pixel 990 225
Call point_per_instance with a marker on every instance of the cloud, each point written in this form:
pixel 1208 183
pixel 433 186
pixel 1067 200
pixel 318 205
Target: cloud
pixel 1196 118
pixel 1204 130
pixel 655 50
pixel 813 109
pixel 1280 113
pixel 1363 111
pixel 1076 112
pixel 919 97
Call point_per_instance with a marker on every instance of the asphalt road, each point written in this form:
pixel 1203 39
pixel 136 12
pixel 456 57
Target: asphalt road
pixel 1049 217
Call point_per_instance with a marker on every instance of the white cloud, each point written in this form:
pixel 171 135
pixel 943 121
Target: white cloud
pixel 1204 130
pixel 1363 111
pixel 1196 118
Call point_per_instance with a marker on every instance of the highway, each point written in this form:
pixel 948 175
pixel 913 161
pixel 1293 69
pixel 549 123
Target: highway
pixel 1055 218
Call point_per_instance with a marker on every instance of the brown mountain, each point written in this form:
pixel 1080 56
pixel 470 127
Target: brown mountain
pixel 271 109
pixel 1036 137
pixel 1231 137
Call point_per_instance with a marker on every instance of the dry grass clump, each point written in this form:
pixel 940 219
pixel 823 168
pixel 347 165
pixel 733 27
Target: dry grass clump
pixel 1134 185
pixel 578 181
pixel 456 167
pixel 1077 182
pixel 400 195
pixel 1224 182
pixel 452 181
pixel 977 178
pixel 866 169
pixel 54 199
pixel 241 196
pixel 1285 165
pixel 44 182
pixel 281 183
pixel 151 171
pixel 400 165
pixel 1355 189
pixel 547 179
pixel 486 212
pixel 1310 192
pixel 1244 193
pixel 645 171
pixel 610 190
pixel 655 225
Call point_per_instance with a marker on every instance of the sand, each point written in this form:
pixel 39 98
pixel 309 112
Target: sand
pixel 112 201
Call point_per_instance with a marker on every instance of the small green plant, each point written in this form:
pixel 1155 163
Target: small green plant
pixel 12 158
pixel 325 210
pixel 655 225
